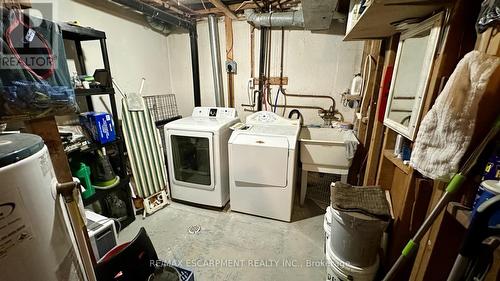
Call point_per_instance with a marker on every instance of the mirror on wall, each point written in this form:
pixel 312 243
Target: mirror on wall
pixel 416 50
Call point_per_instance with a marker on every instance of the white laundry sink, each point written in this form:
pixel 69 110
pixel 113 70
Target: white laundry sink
pixel 324 149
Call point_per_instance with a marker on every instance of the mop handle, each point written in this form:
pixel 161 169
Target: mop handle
pixel 452 187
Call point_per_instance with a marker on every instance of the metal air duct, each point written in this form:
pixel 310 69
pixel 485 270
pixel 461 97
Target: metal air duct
pixel 213 31
pixel 277 19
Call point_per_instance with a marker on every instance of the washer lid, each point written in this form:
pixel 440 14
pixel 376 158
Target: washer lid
pixel 15 147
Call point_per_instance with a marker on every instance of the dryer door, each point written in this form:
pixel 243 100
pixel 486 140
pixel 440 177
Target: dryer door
pixel 190 158
pixel 260 161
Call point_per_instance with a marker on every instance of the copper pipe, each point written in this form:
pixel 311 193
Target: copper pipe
pixel 294 106
pixel 311 96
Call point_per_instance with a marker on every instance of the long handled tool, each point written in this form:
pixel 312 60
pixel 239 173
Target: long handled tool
pixel 470 261
pixel 452 187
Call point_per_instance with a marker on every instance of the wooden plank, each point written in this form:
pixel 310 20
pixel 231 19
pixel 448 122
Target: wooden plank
pixel 459 41
pixel 388 143
pixel 376 21
pixel 46 128
pixel 460 213
pixel 376 139
pixel 233 7
pixel 228 26
pixel 221 6
pixel 389 155
pixel 372 88
pixel 494 42
pixel 273 81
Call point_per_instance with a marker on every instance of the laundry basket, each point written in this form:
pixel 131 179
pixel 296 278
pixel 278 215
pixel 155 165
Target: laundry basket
pixel 163 109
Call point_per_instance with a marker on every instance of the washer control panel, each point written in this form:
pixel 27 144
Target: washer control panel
pixel 267 117
pixel 214 112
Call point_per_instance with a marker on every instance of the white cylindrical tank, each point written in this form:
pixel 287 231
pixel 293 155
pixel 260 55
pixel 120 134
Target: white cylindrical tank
pixel 34 241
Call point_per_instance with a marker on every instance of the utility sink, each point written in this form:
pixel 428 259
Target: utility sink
pixel 324 149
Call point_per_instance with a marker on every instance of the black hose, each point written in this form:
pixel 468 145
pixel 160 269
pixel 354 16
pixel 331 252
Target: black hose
pixel 299 115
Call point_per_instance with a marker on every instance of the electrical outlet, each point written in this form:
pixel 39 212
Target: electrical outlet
pixel 231 66
pixel 251 83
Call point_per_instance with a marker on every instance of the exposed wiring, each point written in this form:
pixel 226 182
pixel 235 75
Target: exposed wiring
pixel 276 99
pixel 242 4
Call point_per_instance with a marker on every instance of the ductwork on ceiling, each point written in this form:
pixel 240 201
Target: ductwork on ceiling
pixel 277 19
pixel 314 15
pixel 159 26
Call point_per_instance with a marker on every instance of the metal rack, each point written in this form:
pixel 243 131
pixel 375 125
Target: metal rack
pixel 77 34
pixel 163 109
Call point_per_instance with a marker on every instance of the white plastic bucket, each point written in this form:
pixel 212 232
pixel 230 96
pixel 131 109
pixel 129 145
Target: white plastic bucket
pixel 327 222
pixel 356 237
pixel 339 270
pixel 327 225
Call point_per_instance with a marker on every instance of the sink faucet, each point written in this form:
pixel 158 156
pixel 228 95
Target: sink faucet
pixel 330 115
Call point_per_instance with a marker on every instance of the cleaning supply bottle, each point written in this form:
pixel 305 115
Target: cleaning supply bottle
pixel 356 84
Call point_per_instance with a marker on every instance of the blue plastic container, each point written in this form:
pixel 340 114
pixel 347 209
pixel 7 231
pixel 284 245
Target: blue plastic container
pixel 487 190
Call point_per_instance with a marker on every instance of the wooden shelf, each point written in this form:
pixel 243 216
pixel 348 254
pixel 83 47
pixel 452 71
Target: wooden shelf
pixel 376 20
pixel 460 213
pixel 389 154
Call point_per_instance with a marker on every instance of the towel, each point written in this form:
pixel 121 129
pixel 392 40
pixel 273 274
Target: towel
pixel 446 130
pixel 351 144
pixel 370 201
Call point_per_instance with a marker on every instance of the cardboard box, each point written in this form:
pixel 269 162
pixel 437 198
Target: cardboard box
pixel 99 125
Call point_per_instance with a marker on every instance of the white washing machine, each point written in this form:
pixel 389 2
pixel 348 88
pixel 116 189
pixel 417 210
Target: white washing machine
pixel 197 155
pixel 263 165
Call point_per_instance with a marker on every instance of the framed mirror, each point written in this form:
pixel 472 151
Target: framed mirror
pixel 414 58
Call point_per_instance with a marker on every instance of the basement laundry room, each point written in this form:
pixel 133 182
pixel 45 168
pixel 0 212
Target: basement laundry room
pixel 243 140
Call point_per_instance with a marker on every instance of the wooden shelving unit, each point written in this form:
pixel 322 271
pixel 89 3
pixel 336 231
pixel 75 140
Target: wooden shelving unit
pixel 377 19
pixel 461 213
pixel 389 155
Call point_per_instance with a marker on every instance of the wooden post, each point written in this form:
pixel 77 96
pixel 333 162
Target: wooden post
pixel 376 136
pixel 228 26
pixel 46 128
pixel 222 7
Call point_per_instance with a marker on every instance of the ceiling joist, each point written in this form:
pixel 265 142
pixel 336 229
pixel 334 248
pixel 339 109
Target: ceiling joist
pixel 225 10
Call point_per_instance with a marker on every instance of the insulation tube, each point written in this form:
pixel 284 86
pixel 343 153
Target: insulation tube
pixel 213 31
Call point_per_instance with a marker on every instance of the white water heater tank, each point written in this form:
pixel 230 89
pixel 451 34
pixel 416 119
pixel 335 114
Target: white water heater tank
pixel 34 241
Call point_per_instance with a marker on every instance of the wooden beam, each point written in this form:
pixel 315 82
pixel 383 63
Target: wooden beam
pixel 221 6
pixel 375 149
pixel 228 26
pixel 273 81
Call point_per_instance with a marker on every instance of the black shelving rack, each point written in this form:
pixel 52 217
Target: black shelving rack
pixel 77 34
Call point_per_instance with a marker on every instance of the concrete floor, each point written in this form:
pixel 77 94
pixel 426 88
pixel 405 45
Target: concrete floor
pixel 233 246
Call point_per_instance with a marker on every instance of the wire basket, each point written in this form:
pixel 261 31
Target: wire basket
pixel 318 187
pixel 162 108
